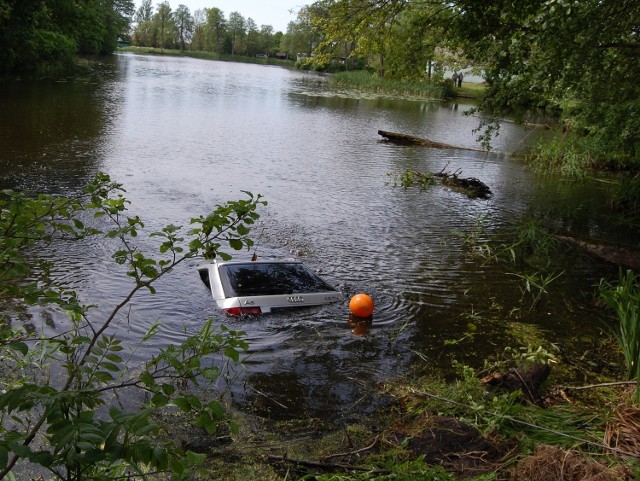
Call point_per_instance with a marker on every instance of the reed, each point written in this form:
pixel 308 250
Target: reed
pixel 624 300
pixel 364 81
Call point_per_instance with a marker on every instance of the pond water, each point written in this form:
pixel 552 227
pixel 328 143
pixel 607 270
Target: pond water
pixel 183 135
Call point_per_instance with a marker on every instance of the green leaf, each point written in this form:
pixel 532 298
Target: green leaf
pixel 183 404
pixel 159 400
pixel 160 458
pixel 236 244
pixel 231 353
pixel 114 358
pixel 4 457
pixel 21 347
pixel 150 428
pixel 243 230
pixel 168 389
pixel 195 459
pixel 110 366
pixel 104 376
pixel 83 445
pixel 147 379
pixel 216 409
pixel 176 466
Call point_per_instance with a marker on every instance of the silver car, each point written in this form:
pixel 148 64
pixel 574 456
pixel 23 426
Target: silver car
pixel 256 287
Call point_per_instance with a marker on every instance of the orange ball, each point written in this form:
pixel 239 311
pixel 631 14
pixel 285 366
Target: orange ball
pixel 361 305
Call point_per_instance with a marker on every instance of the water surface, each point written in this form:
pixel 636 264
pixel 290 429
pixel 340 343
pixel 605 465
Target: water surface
pixel 184 135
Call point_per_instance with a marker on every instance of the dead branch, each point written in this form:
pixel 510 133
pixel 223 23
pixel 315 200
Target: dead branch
pixel 356 451
pixel 323 466
pixel 604 384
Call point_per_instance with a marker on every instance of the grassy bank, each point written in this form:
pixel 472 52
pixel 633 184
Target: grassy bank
pixel 364 81
pixel 445 430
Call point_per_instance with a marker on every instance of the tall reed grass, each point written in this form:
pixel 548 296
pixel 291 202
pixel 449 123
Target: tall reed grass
pixel 364 81
pixel 624 300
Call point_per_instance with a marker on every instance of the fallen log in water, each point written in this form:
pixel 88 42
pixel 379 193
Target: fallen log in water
pixel 404 139
pixel 626 256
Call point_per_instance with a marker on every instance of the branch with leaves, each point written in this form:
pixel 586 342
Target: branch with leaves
pixel 79 442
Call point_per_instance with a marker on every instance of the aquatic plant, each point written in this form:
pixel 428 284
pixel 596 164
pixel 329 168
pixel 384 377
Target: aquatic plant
pixel 535 284
pixel 626 198
pixel 410 178
pixel 364 81
pixel 624 300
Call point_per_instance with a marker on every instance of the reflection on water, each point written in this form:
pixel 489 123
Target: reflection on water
pixel 184 135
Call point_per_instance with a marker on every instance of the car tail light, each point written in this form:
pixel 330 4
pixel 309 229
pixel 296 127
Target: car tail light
pixel 237 311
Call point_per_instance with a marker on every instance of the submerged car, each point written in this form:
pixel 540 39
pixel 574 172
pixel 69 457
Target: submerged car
pixel 256 287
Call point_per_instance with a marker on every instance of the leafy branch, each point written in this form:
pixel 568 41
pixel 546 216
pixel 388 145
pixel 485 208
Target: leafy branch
pixel 80 443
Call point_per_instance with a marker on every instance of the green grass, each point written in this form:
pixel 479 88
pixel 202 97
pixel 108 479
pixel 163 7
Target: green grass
pixel 624 300
pixel 364 81
pixel 470 91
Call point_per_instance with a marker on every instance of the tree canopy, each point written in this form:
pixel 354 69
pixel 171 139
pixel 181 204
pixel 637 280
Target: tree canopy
pixel 576 58
pixel 36 32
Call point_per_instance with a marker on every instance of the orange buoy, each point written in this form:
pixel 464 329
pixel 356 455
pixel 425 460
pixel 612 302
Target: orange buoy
pixel 361 305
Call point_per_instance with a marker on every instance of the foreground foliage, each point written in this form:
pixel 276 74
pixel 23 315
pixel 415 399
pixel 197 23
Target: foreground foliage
pixel 56 388
pixel 624 300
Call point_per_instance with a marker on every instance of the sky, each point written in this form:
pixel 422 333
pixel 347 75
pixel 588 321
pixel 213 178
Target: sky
pixel 263 12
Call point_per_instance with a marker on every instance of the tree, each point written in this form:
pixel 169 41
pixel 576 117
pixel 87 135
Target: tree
pixel 353 27
pixel 96 25
pixel 144 34
pixel 267 42
pixel 165 26
pixel 305 34
pixel 216 27
pixel 198 42
pixel 412 43
pixel 78 442
pixel 144 12
pixel 184 25
pixel 37 33
pixel 253 38
pixel 577 59
pixel 237 29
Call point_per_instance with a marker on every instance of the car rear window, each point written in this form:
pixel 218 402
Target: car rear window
pixel 262 279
